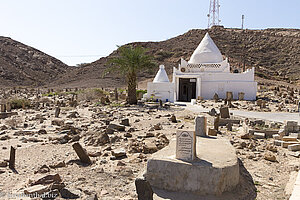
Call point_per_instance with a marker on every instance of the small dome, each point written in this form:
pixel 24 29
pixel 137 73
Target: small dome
pixel 161 75
pixel 206 52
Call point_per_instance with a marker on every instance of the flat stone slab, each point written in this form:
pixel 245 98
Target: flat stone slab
pixel 214 171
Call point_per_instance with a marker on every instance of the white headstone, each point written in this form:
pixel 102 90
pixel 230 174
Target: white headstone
pixel 185 145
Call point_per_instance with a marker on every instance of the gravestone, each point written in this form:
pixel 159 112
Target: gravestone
pixel 200 125
pixel 81 153
pixel 160 103
pixel 116 94
pixel 216 122
pixel 259 102
pixel 140 95
pixel 2 108
pixel 57 111
pixel 12 158
pixel 185 145
pixel 216 97
pixel 241 96
pixel 230 104
pixel 8 107
pixel 224 111
pixel 229 96
pixel 263 104
pixel 229 126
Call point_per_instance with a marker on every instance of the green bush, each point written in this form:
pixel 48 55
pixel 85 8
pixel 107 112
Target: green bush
pixel 141 91
pixel 50 94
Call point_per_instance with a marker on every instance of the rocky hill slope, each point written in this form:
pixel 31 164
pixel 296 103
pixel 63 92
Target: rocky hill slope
pixel 21 65
pixel 275 53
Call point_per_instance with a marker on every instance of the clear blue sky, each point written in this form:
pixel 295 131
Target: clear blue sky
pixel 78 31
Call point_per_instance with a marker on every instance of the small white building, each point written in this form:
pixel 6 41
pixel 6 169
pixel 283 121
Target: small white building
pixel 205 74
pixel 161 88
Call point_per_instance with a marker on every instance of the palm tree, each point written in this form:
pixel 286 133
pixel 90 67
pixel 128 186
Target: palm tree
pixel 130 61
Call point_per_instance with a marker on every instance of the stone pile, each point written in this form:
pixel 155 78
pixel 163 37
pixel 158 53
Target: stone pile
pixel 289 136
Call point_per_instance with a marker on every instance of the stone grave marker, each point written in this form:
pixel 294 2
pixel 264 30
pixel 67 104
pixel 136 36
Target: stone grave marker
pixel 57 111
pixel 224 111
pixel 200 125
pixel 229 96
pixel 2 108
pixel 216 122
pixel 185 145
pixel 241 96
pixel 8 107
pixel 216 97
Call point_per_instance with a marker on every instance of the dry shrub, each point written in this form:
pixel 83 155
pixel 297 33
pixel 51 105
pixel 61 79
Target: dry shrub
pixel 91 94
pixel 19 103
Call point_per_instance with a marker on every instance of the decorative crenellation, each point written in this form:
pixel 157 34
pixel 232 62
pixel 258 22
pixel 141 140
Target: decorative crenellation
pixel 213 65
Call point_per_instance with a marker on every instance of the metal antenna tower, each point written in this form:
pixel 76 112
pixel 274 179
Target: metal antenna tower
pixel 213 16
pixel 243 18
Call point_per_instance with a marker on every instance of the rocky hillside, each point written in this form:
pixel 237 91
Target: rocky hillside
pixel 275 53
pixel 26 66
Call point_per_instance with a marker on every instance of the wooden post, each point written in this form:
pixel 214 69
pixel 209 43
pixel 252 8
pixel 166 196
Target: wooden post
pixel 12 158
pixel 81 153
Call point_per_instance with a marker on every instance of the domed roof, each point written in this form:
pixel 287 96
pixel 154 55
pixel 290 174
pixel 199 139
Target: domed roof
pixel 206 52
pixel 161 75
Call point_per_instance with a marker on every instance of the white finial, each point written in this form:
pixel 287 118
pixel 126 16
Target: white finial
pixel 161 75
pixel 206 52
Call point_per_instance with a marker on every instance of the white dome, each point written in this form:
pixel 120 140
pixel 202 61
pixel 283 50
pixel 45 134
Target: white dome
pixel 161 75
pixel 206 52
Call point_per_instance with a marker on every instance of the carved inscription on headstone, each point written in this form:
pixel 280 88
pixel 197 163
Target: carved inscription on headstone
pixel 185 145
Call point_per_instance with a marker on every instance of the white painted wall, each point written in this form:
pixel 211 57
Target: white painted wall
pixel 208 89
pixel 210 83
pixel 160 91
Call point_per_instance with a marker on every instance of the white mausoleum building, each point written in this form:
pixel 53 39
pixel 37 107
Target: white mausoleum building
pixel 205 74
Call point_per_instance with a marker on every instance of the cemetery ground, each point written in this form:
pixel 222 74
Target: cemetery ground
pixel 120 138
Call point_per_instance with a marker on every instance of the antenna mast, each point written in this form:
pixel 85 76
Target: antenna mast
pixel 243 18
pixel 213 16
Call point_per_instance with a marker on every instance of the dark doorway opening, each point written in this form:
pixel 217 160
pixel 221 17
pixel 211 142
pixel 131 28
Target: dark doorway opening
pixel 187 89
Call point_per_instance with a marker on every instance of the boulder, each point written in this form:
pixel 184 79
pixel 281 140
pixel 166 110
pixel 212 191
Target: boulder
pixel 149 147
pixel 119 153
pixel 173 119
pixel 58 122
pixel 48 179
pixel 116 127
pixel 3 163
pixel 125 122
pixel 270 157
pixel 212 132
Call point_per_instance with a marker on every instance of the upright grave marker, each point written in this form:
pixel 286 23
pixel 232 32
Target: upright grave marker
pixel 200 125
pixel 224 111
pixel 185 145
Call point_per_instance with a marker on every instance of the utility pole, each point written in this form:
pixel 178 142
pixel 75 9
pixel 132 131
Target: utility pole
pixel 213 15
